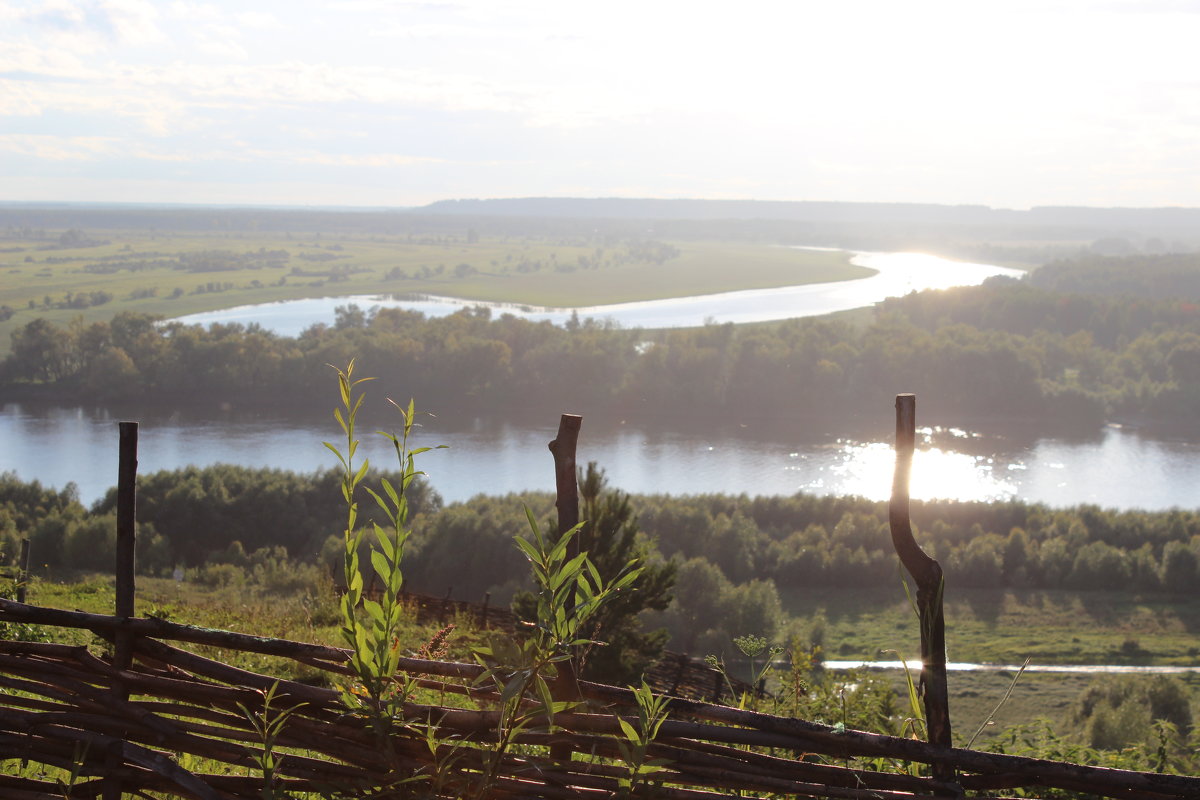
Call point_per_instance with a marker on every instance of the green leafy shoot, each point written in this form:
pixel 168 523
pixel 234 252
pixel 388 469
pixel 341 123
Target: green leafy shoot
pixel 522 672
pixel 268 725
pixel 634 747
pixel 916 721
pixel 380 691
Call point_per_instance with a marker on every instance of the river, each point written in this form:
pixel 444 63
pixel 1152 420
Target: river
pixel 896 274
pixel 1116 467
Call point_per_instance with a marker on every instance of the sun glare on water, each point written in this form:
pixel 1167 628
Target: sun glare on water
pixel 866 469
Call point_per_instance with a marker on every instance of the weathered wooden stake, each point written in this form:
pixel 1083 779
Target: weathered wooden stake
pixel 928 575
pixel 126 508
pixel 565 481
pixel 566 485
pixel 126 524
pixel 23 574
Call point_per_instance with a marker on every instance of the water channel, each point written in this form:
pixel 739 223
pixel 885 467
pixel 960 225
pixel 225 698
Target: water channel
pixel 896 274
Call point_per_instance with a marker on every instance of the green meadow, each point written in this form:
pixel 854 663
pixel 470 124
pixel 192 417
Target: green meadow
pixel 1006 626
pixel 64 275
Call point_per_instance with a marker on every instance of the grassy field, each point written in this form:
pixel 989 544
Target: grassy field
pixel 1006 627
pixel 1003 626
pixel 313 616
pixel 96 276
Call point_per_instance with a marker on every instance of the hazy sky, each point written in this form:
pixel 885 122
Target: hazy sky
pixel 377 102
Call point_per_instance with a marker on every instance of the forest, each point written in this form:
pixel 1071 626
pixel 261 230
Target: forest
pixel 738 560
pixel 1073 344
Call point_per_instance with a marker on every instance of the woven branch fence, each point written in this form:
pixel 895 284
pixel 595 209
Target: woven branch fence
pixel 64 706
pixel 147 718
pixel 676 674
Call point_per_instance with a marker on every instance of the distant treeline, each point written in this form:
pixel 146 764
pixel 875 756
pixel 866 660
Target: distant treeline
pixel 1074 343
pixel 231 524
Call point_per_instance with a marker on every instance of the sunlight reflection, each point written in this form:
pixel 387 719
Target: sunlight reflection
pixel 866 469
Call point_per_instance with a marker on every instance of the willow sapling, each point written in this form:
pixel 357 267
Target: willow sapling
pixel 381 691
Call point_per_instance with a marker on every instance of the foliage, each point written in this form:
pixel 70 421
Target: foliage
pixel 571 595
pixel 380 692
pixel 1117 713
pixel 651 714
pixel 268 724
pixel 609 534
pixel 205 510
pixel 18 631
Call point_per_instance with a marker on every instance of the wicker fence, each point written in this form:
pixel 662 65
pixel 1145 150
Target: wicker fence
pixel 135 729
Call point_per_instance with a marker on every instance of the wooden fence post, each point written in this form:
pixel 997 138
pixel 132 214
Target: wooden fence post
pixel 126 509
pixel 928 576
pixel 23 571
pixel 566 485
pixel 126 524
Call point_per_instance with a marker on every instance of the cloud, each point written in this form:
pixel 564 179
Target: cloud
pixel 356 160
pixel 57 148
pixel 122 21
pixel 60 148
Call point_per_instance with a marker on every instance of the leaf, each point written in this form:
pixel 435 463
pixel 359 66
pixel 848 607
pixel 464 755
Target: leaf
pixel 533 526
pixel 543 690
pixel 391 492
pixel 571 569
pixel 514 687
pixel 528 549
pixel 358 476
pixel 386 544
pixel 374 609
pixel 380 563
pixel 336 452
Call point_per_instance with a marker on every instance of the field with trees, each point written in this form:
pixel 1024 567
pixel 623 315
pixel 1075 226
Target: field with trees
pixel 1052 351
pixel 59 276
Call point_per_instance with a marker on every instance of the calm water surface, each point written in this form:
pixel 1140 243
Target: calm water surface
pixel 897 275
pixel 1116 468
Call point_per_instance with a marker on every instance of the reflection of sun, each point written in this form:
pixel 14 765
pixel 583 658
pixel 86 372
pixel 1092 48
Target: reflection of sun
pixel 867 469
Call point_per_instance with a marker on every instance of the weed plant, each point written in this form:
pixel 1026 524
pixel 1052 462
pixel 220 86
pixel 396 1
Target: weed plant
pixel 381 690
pixel 527 673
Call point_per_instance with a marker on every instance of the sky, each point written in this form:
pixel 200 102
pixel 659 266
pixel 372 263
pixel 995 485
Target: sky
pixel 1011 104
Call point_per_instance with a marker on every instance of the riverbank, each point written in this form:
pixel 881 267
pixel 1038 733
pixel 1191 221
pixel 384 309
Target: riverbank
pixel 174 274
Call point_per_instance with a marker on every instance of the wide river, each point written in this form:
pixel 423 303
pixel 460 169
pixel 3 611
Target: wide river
pixel 1114 467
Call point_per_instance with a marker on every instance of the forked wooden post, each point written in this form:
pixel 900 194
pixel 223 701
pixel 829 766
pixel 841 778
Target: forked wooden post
pixel 566 485
pixel 928 575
